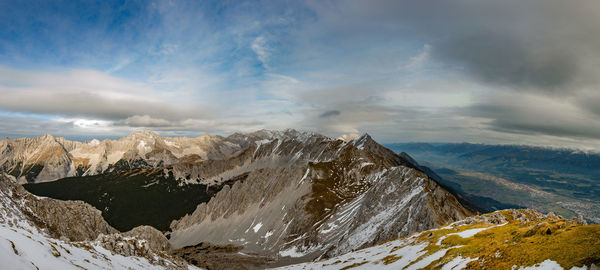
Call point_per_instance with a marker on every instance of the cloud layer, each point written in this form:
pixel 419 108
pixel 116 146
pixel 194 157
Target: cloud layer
pixel 467 70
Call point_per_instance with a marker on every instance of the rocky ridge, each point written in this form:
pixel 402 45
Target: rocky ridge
pixel 305 196
pixel 48 158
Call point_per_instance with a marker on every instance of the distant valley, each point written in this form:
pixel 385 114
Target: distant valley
pixel 563 181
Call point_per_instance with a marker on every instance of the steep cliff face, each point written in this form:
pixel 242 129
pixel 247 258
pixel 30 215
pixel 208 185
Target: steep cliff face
pixel 45 233
pixel 306 196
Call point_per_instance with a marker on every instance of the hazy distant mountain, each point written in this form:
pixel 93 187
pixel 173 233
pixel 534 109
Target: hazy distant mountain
pixel 501 176
pixel 476 155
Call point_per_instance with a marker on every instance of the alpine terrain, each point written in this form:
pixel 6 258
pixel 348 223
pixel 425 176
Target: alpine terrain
pixel 246 201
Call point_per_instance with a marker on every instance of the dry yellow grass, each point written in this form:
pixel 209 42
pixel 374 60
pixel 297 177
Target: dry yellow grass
pixel 520 243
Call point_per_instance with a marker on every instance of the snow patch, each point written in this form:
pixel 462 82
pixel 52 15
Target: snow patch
pixel 291 252
pixel 428 260
pixel 545 265
pixel 458 263
pixel 467 233
pixel 171 144
pixel 257 227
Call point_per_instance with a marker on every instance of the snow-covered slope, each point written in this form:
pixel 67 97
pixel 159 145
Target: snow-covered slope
pixel 508 239
pixel 26 240
pixel 25 248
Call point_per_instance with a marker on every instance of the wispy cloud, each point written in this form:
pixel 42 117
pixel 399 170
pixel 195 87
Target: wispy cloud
pixel 418 60
pixel 260 47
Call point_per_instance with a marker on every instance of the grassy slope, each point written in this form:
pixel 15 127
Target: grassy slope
pixel 523 238
pixel 524 244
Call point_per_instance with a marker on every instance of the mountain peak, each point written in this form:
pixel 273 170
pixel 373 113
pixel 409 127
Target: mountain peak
pixel 366 136
pixel 362 140
pixel 48 137
pixel 143 133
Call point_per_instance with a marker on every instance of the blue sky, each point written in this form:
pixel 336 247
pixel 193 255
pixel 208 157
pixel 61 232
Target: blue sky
pixel 477 71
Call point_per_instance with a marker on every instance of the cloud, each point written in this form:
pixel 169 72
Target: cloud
pixel 547 45
pixel 535 115
pixel 120 65
pixel 330 113
pixel 505 61
pixel 418 60
pixel 260 47
pixel 86 93
pixel 477 70
pixel 348 137
pixel 143 121
pixel 164 49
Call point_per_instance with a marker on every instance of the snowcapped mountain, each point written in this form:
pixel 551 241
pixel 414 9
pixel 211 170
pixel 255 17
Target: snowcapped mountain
pixel 34 234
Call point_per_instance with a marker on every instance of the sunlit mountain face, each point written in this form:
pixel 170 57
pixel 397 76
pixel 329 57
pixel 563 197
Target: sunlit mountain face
pixel 176 134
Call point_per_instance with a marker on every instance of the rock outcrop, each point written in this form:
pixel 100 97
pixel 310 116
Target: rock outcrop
pixel 67 220
pixel 155 239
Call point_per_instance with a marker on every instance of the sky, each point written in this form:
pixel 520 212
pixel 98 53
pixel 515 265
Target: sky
pixel 484 71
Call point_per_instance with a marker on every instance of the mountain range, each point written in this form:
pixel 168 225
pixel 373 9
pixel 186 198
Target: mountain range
pixel 255 200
